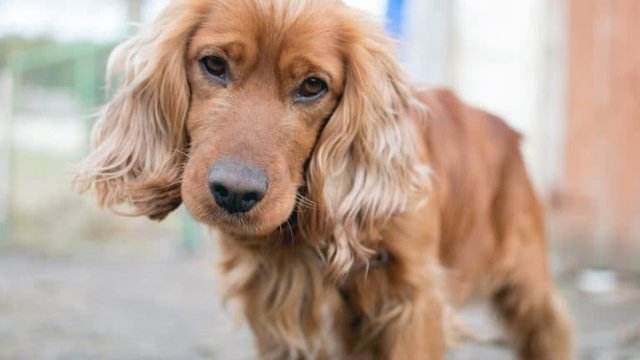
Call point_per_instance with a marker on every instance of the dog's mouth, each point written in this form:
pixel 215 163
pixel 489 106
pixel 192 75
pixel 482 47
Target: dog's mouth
pixel 258 222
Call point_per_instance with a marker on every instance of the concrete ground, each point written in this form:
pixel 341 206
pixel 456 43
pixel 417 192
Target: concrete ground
pixel 169 307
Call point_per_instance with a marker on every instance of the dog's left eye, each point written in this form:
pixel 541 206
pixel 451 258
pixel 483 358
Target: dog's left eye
pixel 312 88
pixel 215 66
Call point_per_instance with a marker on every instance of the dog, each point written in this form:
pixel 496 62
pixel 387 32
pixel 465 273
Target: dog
pixel 355 209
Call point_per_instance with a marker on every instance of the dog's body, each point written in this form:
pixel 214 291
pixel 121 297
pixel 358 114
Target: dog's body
pixel 353 208
pixel 482 224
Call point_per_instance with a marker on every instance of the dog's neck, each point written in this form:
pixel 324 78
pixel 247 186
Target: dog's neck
pixel 288 239
pixel 287 235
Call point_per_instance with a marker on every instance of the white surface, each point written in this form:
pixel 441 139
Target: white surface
pixel 597 281
pixel 376 7
pixel 63 19
pixel 99 20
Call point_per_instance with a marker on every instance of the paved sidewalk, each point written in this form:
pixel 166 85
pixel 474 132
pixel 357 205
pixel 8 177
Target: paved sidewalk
pixel 169 308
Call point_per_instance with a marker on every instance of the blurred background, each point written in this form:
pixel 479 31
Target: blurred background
pixel 78 282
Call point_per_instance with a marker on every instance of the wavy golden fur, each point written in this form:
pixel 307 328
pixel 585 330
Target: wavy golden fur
pixel 370 168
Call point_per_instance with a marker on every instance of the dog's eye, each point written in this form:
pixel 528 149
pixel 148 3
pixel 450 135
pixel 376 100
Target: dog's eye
pixel 311 89
pixel 215 66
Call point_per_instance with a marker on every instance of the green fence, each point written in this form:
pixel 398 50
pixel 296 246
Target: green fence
pixel 78 67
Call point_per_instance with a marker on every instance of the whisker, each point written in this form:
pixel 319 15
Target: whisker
pixel 187 155
pixel 305 202
pixel 290 230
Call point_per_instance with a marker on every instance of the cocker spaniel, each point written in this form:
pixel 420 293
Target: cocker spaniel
pixel 356 210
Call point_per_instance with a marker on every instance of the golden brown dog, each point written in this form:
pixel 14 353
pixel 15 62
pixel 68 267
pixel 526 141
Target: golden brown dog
pixel 354 207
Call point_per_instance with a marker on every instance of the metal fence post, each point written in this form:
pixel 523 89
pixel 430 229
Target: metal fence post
pixel 6 114
pixel 191 232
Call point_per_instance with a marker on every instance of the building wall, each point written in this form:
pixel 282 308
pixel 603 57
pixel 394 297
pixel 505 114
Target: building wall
pixel 601 190
pixel 505 56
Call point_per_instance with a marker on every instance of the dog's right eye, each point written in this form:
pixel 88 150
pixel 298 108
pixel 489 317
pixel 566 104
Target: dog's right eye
pixel 215 66
pixel 311 89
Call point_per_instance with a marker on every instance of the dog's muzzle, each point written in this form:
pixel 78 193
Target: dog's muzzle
pixel 237 187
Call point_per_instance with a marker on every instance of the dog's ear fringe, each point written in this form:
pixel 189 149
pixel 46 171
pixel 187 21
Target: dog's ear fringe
pixel 366 168
pixel 139 139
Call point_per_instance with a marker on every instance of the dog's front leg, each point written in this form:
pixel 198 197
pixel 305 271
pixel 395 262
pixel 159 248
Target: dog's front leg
pixel 284 299
pixel 391 321
pixel 305 339
pixel 416 331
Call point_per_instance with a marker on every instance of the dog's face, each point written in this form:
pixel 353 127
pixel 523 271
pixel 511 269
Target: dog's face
pixel 249 110
pixel 263 84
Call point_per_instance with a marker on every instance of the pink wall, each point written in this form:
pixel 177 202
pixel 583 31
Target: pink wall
pixel 600 196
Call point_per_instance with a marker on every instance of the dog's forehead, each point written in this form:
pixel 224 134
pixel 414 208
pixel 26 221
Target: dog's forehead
pixel 308 27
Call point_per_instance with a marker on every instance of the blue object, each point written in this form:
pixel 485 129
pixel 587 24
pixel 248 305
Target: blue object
pixel 395 15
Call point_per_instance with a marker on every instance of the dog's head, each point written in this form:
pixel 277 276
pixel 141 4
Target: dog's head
pixel 249 111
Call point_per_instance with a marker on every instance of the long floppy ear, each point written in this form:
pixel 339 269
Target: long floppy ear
pixel 366 167
pixel 139 141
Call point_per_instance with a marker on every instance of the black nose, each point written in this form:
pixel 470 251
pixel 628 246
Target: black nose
pixel 237 187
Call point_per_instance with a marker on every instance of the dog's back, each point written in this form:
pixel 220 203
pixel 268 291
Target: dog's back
pixel 491 223
pixel 469 150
